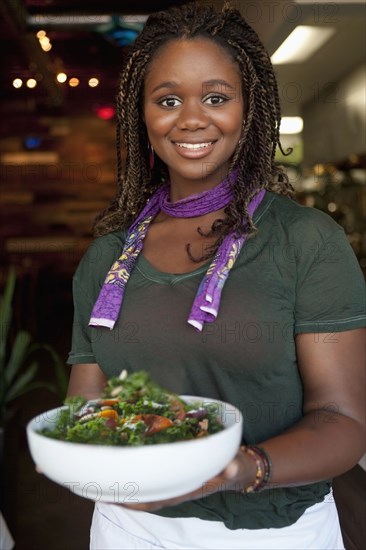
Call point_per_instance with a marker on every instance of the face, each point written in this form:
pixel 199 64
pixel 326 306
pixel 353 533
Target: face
pixel 193 111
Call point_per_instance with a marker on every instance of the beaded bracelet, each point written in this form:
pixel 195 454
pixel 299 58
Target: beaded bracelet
pixel 264 468
pixel 266 462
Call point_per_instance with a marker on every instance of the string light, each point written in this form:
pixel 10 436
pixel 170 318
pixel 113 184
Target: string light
pixel 73 82
pixel 93 82
pixel 31 83
pixel 61 77
pixel 17 82
pixel 44 41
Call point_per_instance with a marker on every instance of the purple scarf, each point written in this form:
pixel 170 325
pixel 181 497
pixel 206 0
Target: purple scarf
pixel 207 301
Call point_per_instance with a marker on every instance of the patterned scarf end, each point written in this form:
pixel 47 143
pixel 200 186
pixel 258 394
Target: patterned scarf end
pixel 210 310
pixel 95 322
pixel 196 324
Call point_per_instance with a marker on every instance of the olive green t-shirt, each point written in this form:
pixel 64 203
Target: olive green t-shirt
pixel 297 274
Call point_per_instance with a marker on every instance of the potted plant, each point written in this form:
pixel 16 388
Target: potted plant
pixel 17 374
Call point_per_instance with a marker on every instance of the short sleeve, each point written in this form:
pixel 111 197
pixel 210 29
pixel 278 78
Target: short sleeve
pixel 87 282
pixel 330 294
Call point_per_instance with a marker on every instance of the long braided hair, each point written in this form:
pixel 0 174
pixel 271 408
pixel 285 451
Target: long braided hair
pixel 255 153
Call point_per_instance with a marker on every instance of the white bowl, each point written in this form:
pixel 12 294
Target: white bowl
pixel 135 474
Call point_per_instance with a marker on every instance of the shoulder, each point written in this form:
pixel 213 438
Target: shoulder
pixel 301 223
pixel 98 259
pixel 104 249
pixel 302 238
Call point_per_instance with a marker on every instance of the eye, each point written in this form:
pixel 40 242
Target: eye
pixel 216 99
pixel 170 101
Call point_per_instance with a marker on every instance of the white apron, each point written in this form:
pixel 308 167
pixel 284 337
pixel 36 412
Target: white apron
pixel 117 528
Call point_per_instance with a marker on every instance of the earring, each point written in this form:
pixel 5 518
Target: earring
pixel 151 156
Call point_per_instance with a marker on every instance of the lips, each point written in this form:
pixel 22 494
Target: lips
pixel 194 145
pixel 194 149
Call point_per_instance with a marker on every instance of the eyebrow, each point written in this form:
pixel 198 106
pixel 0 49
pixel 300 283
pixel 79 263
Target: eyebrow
pixel 218 82
pixel 207 83
pixel 168 84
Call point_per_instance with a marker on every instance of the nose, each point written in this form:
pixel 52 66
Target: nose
pixel 192 116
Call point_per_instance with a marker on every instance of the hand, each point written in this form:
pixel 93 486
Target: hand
pixel 237 475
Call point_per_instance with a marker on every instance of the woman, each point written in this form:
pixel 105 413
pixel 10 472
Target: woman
pixel 223 286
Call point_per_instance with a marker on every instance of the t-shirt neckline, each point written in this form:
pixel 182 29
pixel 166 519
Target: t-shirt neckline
pixel 150 272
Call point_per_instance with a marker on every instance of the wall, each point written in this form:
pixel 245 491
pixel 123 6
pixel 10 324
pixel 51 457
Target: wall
pixel 335 120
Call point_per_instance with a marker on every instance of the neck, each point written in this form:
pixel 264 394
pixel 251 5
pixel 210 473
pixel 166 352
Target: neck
pixel 197 204
pixel 181 187
pixel 182 190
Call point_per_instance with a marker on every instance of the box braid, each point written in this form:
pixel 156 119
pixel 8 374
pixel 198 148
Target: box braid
pixel 255 152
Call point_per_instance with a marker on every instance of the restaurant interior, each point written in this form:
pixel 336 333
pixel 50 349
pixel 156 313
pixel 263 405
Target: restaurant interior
pixel 59 70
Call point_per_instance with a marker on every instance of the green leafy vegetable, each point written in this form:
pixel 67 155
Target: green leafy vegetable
pixel 133 411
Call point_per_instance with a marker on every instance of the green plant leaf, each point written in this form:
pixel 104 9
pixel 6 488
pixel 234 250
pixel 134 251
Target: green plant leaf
pixel 32 386
pixel 61 374
pixel 6 312
pixel 21 384
pixel 18 354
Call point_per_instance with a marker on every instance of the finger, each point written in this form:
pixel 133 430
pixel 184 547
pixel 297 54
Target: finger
pixel 38 469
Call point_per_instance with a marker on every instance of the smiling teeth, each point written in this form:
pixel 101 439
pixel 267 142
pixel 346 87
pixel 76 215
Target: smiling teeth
pixel 194 145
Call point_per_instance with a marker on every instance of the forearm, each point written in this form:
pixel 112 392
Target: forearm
pixel 86 380
pixel 322 445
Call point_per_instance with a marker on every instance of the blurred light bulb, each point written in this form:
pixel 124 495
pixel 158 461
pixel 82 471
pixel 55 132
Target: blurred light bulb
pixel 105 112
pixel 31 83
pixel 44 40
pixel 73 82
pixel 291 125
pixel 93 82
pixel 17 82
pixel 41 34
pixel 61 77
pixel 46 48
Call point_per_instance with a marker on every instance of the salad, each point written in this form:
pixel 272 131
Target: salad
pixel 133 410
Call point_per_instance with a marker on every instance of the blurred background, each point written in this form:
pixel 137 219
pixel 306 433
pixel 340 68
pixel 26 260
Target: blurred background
pixel 60 63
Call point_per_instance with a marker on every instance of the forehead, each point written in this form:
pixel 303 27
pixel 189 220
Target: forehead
pixel 196 60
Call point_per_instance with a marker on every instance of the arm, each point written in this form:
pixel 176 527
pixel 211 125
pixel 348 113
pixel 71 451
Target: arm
pixel 86 379
pixel 329 439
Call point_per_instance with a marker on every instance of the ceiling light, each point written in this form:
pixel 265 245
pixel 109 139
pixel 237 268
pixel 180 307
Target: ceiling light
pixel 291 125
pixel 44 41
pixel 132 19
pixel 17 82
pixel 93 82
pixel 68 19
pixel 73 82
pixel 301 44
pixel 31 83
pixel 61 77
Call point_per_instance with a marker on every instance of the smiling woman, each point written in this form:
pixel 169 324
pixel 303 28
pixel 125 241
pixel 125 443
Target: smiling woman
pixel 211 278
pixel 194 111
